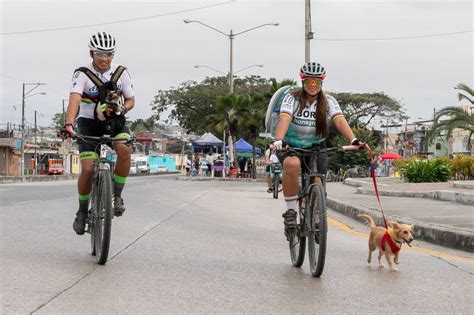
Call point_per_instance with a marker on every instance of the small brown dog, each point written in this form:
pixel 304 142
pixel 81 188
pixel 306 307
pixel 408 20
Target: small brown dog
pixel 389 242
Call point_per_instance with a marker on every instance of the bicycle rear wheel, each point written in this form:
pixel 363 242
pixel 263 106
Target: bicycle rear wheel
pixel 275 184
pixel 103 217
pixel 317 236
pixel 297 242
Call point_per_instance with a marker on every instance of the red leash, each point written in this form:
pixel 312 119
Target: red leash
pixel 372 173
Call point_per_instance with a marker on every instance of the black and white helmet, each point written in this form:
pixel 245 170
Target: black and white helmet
pixel 102 42
pixel 313 70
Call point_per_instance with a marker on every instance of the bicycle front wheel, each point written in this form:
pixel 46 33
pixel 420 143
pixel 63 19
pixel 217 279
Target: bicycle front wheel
pixel 317 236
pixel 103 217
pixel 90 219
pixel 297 240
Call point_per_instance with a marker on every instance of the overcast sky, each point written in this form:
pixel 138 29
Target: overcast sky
pixel 161 51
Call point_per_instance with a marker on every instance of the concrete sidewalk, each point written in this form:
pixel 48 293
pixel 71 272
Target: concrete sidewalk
pixel 446 223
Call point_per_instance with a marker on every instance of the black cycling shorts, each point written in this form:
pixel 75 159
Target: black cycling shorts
pixel 95 128
pixel 320 164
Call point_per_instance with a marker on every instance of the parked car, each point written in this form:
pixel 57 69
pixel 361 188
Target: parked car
pixel 161 169
pixel 133 167
pixel 55 169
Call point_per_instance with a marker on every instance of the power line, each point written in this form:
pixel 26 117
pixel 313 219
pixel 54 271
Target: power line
pixel 395 38
pixel 115 22
pixel 11 78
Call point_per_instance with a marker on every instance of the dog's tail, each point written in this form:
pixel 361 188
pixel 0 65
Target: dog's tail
pixel 369 220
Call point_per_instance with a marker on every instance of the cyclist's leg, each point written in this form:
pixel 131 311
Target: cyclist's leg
pixel 291 168
pixel 122 167
pixel 84 181
pixel 269 179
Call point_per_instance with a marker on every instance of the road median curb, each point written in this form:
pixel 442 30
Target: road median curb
pixel 436 234
pixel 443 195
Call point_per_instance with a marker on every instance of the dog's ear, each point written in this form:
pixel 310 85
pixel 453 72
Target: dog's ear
pixel 395 224
pixel 411 227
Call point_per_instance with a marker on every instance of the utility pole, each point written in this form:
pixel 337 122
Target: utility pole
pixel 223 153
pixel 36 156
pixel 65 167
pixel 23 96
pixel 308 33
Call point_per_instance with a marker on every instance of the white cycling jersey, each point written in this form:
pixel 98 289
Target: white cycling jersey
pixel 302 130
pixel 82 85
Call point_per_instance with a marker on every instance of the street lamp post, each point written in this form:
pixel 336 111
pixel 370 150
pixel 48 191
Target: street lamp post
pixel 231 36
pixel 24 95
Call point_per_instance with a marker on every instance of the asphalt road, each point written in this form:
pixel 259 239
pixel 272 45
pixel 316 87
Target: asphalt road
pixel 206 247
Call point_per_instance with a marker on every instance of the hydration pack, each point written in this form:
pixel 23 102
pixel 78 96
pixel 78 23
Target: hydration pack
pixel 273 110
pixel 102 87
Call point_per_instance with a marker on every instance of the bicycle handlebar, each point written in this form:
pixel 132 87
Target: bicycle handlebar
pixel 101 139
pixel 332 149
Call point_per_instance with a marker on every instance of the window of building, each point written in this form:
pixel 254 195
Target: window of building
pixel 438 146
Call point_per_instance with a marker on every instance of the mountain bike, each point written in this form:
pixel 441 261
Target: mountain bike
pixel 275 173
pixel 312 212
pixel 101 208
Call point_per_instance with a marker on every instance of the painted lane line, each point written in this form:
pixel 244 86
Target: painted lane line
pixel 25 202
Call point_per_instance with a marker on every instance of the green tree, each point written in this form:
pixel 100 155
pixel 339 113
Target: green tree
pixel 275 85
pixel 58 120
pixel 360 109
pixel 139 126
pixel 192 104
pixel 465 92
pixel 448 119
pixel 253 115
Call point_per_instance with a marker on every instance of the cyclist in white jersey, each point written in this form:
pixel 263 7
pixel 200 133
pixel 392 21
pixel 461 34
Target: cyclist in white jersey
pixel 84 98
pixel 304 119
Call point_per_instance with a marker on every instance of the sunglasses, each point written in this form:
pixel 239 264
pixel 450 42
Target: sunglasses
pixel 312 81
pixel 103 54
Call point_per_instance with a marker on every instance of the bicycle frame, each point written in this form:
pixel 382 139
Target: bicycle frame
pixel 308 176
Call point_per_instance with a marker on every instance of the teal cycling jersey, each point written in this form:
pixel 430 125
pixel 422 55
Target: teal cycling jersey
pixel 302 130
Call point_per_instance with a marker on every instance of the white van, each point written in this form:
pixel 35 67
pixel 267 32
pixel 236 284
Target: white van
pixel 142 164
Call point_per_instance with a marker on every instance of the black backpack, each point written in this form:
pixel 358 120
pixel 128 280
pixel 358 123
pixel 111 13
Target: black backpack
pixel 112 123
pixel 103 87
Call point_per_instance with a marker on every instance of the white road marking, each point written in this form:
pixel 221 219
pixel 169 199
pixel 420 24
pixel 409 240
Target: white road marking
pixel 25 202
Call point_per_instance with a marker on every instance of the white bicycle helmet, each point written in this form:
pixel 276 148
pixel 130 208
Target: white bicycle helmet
pixel 102 42
pixel 312 70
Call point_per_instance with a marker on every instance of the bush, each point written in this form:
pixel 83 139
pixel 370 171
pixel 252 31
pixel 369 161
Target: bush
pixel 463 167
pixel 426 171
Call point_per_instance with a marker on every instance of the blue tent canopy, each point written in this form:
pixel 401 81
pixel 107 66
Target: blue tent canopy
pixel 243 146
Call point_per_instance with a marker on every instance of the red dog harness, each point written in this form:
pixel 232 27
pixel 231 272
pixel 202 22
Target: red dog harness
pixel 387 239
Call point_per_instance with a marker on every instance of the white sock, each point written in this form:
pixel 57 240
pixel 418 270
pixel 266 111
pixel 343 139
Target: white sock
pixel 291 202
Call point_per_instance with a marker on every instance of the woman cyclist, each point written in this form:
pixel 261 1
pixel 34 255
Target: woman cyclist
pixel 304 118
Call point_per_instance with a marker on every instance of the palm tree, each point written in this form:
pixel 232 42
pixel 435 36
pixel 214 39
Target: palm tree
pixel 253 122
pixel 457 118
pixel 465 92
pixel 228 116
pixel 277 85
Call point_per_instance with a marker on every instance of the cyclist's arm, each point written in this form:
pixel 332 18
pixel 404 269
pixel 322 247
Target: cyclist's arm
pixel 73 107
pixel 129 103
pixel 283 124
pixel 128 91
pixel 341 124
